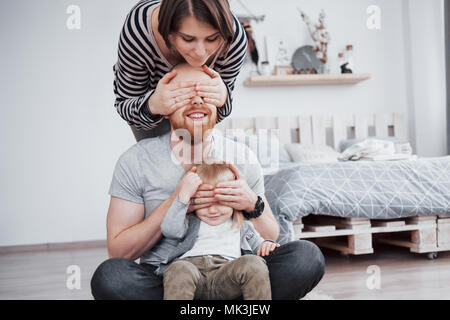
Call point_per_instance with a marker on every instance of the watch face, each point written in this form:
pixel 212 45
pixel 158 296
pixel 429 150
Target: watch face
pixel 259 208
pixel 260 204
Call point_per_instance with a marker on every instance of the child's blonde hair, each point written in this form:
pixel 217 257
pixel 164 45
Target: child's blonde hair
pixel 213 171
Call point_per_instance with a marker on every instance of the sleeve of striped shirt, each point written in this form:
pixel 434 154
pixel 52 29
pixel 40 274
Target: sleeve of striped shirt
pixel 230 66
pixel 131 84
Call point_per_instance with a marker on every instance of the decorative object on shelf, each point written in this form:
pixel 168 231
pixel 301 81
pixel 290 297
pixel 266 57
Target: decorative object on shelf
pixel 250 16
pixel 282 57
pixel 305 61
pixel 282 70
pixel 252 49
pixel 246 20
pixel 320 36
pixel 276 51
pixel 346 60
pixel 349 57
pixel 265 68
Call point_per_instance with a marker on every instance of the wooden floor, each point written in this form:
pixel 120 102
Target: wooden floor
pixel 403 275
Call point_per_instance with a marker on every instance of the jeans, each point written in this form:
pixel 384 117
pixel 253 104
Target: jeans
pixel 295 268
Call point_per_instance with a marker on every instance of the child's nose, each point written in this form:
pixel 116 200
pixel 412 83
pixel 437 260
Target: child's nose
pixel 212 209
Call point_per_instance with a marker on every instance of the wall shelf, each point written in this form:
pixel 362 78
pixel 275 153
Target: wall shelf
pixel 305 80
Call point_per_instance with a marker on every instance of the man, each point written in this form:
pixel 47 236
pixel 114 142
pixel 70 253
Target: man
pixel 144 188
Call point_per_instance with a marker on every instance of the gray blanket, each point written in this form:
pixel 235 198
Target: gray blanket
pixel 369 189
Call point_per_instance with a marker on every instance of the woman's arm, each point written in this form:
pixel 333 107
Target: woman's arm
pixel 132 78
pixel 129 234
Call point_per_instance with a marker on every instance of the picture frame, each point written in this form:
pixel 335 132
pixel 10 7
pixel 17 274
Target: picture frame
pixel 282 70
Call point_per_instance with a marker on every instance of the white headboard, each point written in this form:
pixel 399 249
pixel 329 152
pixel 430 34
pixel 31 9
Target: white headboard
pixel 325 129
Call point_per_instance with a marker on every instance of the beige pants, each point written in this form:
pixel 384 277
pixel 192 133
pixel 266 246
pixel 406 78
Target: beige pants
pixel 216 278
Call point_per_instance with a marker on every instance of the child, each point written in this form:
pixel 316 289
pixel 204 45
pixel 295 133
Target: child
pixel 210 265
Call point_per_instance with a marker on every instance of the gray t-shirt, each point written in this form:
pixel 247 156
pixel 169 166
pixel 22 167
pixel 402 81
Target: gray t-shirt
pixel 148 174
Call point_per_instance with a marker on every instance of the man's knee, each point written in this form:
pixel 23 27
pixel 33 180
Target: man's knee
pixel 302 250
pixel 107 279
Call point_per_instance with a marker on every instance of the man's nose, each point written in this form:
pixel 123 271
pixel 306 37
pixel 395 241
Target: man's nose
pixel 198 101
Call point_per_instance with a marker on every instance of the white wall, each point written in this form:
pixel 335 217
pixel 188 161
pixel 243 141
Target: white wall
pixel 425 54
pixel 61 136
pixel 378 52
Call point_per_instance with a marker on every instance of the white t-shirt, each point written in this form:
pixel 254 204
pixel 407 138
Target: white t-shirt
pixel 223 240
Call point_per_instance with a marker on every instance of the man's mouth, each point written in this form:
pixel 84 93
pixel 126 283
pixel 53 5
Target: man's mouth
pixel 197 115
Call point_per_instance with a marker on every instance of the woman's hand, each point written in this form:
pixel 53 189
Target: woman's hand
pixel 188 185
pixel 266 248
pixel 168 97
pixel 212 91
pixel 203 198
pixel 236 194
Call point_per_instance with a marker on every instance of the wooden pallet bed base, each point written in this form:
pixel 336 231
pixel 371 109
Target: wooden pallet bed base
pixel 426 234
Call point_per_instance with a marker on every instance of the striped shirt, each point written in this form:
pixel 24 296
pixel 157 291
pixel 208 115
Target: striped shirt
pixel 141 65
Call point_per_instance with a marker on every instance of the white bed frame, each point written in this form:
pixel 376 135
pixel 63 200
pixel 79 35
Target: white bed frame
pixel 325 129
pixel 428 234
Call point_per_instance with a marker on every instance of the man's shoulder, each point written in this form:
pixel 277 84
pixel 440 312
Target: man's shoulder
pixel 143 149
pixel 234 148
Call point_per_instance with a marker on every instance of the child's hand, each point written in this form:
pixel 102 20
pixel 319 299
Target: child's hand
pixel 266 248
pixel 188 185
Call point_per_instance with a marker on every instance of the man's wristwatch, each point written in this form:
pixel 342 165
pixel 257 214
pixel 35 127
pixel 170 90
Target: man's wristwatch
pixel 259 208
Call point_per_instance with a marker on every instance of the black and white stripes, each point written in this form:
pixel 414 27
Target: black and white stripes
pixel 140 66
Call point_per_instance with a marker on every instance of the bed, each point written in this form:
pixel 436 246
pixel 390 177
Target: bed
pixel 356 192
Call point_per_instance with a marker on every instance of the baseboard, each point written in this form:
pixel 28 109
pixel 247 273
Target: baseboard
pixel 54 246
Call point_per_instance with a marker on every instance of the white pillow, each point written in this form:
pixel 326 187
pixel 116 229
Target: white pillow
pixel 265 144
pixel 312 153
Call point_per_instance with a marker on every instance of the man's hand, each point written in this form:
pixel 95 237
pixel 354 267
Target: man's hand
pixel 236 194
pixel 266 248
pixel 203 198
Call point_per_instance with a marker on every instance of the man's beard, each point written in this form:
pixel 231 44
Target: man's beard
pixel 196 132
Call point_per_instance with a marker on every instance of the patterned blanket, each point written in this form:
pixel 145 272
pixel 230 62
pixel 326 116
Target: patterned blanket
pixel 369 189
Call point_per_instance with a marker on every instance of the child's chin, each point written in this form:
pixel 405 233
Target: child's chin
pixel 214 222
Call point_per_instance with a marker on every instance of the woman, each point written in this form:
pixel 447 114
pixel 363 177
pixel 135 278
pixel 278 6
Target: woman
pixel 160 34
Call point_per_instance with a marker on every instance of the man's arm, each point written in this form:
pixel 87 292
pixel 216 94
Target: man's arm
pixel 129 234
pixel 244 197
pixel 266 224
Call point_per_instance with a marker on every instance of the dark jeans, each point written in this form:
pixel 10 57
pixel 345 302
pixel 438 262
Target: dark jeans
pixel 295 268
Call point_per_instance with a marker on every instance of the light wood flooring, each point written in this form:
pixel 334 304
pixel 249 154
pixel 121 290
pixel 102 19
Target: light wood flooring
pixel 403 275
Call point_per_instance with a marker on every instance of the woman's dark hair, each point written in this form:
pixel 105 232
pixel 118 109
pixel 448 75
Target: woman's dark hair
pixel 216 13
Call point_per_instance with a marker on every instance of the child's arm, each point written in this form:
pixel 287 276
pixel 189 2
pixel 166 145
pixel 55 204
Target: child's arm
pixel 259 245
pixel 175 223
pixel 267 247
